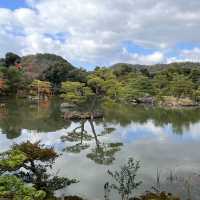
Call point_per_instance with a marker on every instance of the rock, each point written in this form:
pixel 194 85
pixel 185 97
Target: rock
pixel 33 98
pixel 67 105
pixel 170 101
pixel 186 102
pixel 133 102
pixel 82 115
pixel 146 100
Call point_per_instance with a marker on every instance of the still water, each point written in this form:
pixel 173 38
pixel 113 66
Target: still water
pixel 167 143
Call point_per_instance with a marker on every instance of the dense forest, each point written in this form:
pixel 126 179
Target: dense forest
pixel 47 74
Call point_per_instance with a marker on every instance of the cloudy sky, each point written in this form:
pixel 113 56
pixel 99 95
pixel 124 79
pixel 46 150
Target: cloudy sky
pixel 103 32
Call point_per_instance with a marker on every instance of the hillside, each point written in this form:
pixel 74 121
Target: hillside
pixel 157 67
pixel 36 64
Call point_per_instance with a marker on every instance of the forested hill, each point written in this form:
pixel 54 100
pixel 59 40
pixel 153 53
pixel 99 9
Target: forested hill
pixel 120 83
pixel 38 63
pixel 44 67
pixel 155 68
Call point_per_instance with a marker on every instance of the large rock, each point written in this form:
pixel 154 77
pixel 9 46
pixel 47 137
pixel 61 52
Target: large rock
pixel 146 100
pixel 170 101
pixel 67 105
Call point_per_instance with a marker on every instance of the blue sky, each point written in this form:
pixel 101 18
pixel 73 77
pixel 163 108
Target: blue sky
pixel 92 33
pixel 13 4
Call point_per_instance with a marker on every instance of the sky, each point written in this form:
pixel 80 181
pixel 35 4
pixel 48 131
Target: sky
pixel 91 33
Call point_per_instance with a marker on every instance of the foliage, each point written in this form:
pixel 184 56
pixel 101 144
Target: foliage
pixel 181 86
pixel 78 75
pixel 57 73
pixel 2 62
pixel 76 92
pixel 104 83
pixel 121 83
pixel 12 160
pixel 122 69
pixel 136 86
pixel 125 84
pixel 157 196
pixel 125 179
pixel 197 94
pixel 13 187
pixel 41 88
pixel 2 82
pixel 15 80
pixel 11 59
pixel 36 152
pixel 30 162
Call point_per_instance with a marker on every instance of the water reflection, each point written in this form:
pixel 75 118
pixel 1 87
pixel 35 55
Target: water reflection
pixel 180 119
pixel 159 138
pixel 79 135
pixel 101 153
pixel 17 115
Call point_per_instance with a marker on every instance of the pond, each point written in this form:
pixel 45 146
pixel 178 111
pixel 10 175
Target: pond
pixel 166 142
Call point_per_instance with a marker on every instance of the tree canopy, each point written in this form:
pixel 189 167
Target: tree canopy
pixel 30 162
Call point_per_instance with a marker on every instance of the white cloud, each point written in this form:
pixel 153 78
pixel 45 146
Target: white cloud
pixel 95 30
pixel 135 58
pixel 192 55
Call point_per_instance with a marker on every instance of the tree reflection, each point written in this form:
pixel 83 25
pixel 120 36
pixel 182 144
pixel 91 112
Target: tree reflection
pixel 180 119
pixel 20 114
pixel 10 121
pixel 102 153
pixel 80 135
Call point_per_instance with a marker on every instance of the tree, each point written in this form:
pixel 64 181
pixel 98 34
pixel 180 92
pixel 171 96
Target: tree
pixel 2 62
pixel 30 162
pixel 14 188
pixel 2 82
pixel 160 83
pixel 15 80
pixel 197 94
pixel 104 83
pixel 57 73
pixel 145 72
pixel 76 92
pixel 195 76
pixel 78 75
pixel 41 88
pixel 137 86
pixel 181 86
pixel 11 59
pixel 122 69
